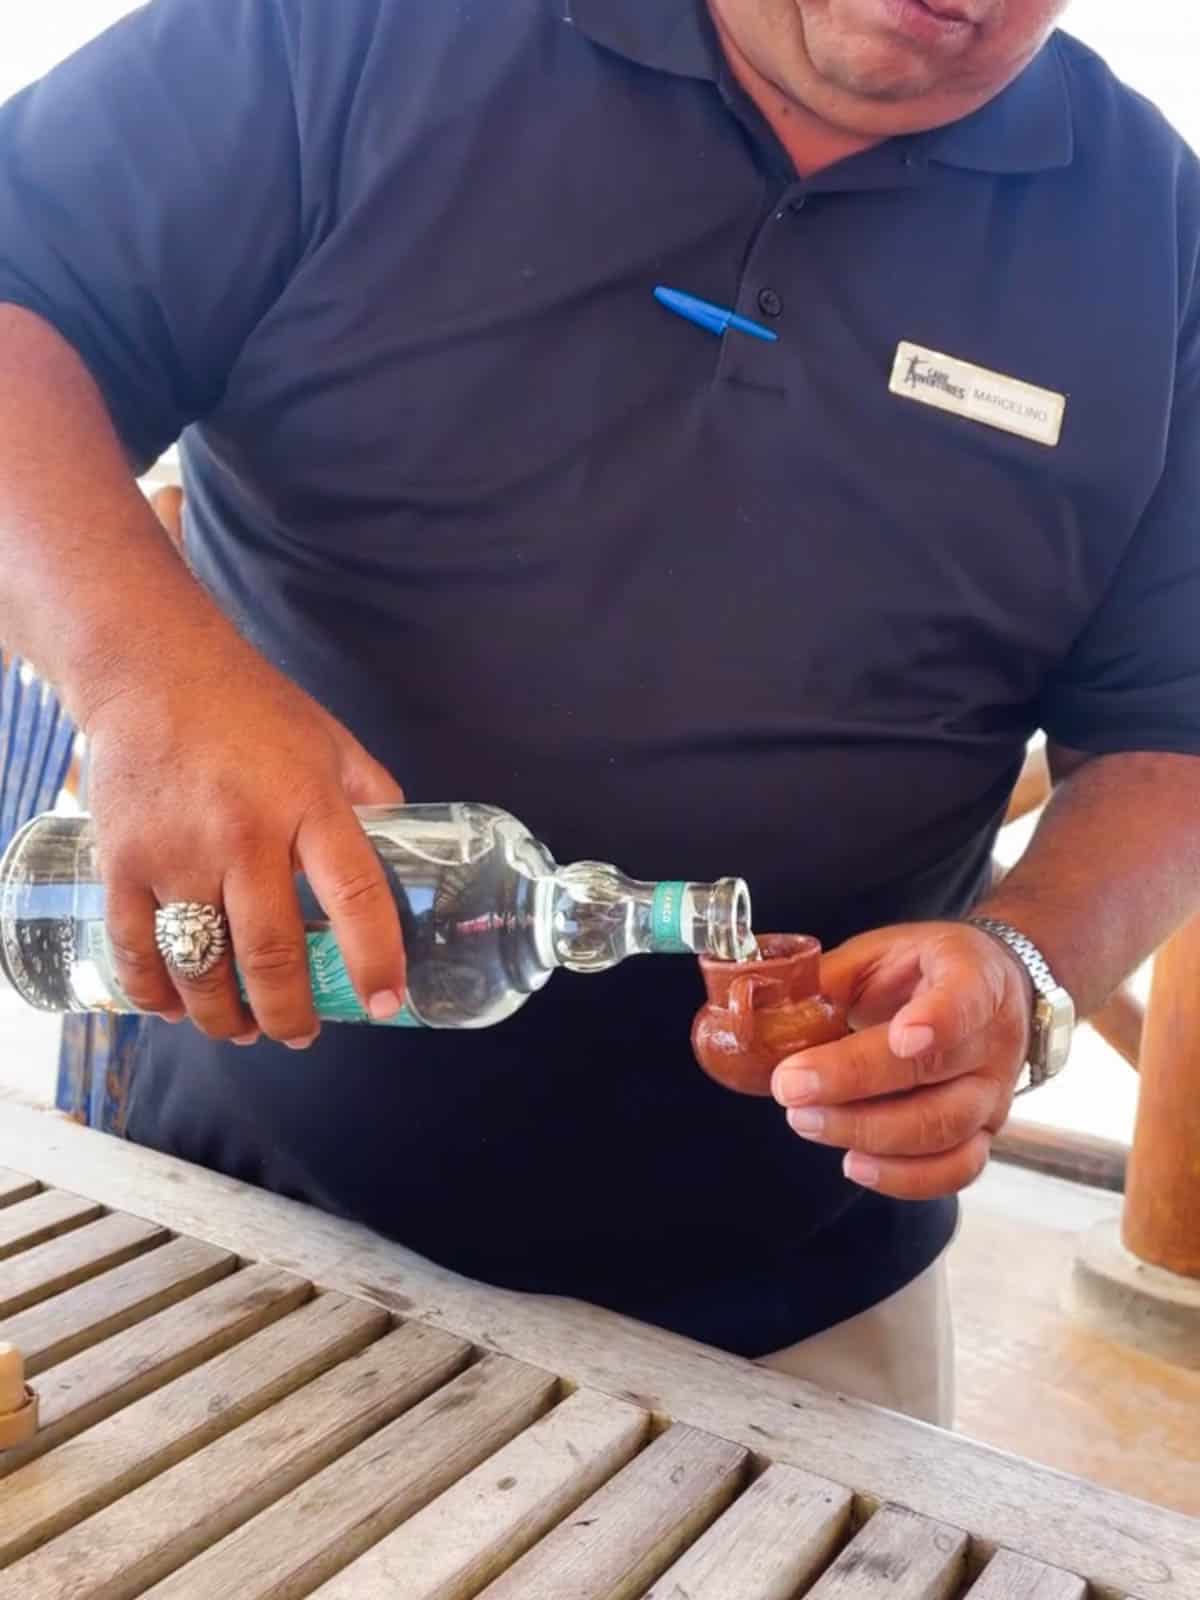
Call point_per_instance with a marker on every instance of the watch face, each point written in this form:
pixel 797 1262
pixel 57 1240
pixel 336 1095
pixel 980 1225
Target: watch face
pixel 1056 1025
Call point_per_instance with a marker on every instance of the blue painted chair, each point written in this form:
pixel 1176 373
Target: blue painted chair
pixel 37 747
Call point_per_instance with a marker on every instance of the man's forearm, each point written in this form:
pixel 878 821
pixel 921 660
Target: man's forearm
pixel 90 589
pixel 1111 872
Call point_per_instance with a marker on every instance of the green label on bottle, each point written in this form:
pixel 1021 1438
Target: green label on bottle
pixel 666 920
pixel 333 993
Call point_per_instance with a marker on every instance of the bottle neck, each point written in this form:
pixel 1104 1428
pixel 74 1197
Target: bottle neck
pixel 593 916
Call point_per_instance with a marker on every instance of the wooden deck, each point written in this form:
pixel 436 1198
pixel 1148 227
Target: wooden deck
pixel 1032 1381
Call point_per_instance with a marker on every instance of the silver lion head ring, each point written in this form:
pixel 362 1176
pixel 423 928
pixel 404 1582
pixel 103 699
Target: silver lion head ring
pixel 191 936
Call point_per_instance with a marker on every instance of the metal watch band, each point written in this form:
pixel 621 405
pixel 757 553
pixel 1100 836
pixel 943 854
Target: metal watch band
pixel 1053 1019
pixel 1031 958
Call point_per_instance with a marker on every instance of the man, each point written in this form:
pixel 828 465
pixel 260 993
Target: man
pixel 462 494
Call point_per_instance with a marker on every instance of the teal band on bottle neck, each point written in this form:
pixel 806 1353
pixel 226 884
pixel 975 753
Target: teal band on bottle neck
pixel 666 919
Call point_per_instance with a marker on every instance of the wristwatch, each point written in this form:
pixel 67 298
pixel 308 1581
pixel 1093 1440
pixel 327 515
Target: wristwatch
pixel 1053 1009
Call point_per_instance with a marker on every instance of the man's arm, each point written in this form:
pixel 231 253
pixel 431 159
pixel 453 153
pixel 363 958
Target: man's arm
pixel 90 591
pixel 1112 870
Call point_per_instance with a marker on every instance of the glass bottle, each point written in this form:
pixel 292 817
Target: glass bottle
pixel 487 916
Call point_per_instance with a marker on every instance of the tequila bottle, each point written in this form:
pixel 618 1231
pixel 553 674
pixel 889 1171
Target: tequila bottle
pixel 487 916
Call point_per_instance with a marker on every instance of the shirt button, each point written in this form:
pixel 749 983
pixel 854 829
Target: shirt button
pixel 769 303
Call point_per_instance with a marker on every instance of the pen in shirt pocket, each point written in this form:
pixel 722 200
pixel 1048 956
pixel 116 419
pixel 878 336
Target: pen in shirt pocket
pixel 717 319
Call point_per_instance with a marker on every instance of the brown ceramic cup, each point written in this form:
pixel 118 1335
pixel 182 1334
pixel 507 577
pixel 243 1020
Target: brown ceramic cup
pixel 760 1011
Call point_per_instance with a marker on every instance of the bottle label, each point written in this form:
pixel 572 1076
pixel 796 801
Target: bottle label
pixel 333 993
pixel 666 922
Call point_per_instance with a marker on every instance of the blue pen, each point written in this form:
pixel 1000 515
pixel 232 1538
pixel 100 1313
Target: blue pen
pixel 717 319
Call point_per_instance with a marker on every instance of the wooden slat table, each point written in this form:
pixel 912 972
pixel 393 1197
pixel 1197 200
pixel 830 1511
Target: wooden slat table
pixel 244 1399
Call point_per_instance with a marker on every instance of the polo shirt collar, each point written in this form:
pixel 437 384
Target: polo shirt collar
pixel 1027 128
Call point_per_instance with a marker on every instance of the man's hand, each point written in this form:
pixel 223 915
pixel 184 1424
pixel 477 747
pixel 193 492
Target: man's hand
pixel 941 1014
pixel 218 782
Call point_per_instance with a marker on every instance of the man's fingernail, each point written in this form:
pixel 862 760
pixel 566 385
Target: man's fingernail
pixel 793 1085
pixel 915 1041
pixel 248 1038
pixel 807 1120
pixel 172 1016
pixel 384 1005
pixel 301 1044
pixel 861 1169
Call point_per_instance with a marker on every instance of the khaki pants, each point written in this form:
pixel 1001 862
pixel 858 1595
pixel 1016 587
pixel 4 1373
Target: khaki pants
pixel 899 1354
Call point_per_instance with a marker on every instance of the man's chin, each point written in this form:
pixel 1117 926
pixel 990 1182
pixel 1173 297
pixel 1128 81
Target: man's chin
pixel 880 75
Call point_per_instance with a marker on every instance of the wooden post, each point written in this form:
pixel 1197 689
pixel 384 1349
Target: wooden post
pixel 1162 1194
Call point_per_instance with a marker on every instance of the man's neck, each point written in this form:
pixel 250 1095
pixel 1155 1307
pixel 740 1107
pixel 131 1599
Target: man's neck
pixel 810 142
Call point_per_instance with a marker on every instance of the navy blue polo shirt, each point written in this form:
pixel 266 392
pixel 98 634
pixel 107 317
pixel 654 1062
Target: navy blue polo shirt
pixel 696 605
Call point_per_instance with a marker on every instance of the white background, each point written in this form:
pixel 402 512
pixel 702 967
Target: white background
pixel 1152 44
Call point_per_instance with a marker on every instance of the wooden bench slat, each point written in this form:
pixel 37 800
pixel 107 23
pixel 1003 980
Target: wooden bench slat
pixel 57 1328
pixel 61 1263
pixel 112 1459
pixel 78 1393
pixel 770 1545
pixel 488 1519
pixel 43 1216
pixel 325 1523
pixel 150 1532
pixel 15 1186
pixel 627 1533
pixel 899 1554
pixel 1009 1576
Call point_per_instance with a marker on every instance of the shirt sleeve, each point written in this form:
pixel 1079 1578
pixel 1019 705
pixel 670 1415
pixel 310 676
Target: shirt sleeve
pixel 1132 679
pixel 149 203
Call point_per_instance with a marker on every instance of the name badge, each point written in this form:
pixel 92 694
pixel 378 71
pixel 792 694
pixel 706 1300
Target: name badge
pixel 943 381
